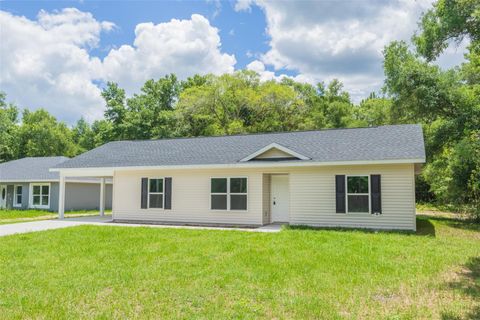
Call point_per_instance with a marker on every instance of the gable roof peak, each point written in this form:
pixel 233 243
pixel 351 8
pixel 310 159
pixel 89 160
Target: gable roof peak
pixel 272 146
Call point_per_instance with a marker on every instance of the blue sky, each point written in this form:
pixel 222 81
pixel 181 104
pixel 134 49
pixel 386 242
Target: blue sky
pixel 58 54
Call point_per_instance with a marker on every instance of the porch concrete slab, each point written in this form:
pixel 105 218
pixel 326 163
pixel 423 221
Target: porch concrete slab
pixel 33 226
pixel 273 227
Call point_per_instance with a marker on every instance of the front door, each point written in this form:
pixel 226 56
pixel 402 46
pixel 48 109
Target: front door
pixel 3 197
pixel 279 198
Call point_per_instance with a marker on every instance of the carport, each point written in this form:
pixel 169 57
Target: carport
pixel 101 174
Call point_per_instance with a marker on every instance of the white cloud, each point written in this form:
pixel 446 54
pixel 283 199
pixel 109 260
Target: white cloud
pixel 259 68
pixel 184 47
pixel 243 5
pixel 322 40
pixel 47 62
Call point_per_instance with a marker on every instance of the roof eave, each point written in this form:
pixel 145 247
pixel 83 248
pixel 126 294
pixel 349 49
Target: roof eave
pixel 28 180
pixel 104 171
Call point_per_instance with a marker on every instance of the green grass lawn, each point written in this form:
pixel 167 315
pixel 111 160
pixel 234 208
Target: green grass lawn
pixel 14 216
pixel 119 272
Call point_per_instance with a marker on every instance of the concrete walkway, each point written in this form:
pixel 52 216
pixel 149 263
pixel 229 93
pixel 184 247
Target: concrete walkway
pixel 33 226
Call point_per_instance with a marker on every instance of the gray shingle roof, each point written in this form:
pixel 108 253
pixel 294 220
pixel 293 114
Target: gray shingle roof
pixel 397 142
pixel 30 169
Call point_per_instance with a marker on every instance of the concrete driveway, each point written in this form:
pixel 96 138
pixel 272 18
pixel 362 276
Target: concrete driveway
pixel 42 225
pixel 33 226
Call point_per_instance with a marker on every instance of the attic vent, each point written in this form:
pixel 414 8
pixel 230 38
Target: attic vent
pixel 275 151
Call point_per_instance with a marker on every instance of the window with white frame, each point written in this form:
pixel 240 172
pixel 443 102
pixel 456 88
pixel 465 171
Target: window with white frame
pixel 155 193
pixel 238 193
pixel 358 194
pixel 228 194
pixel 40 196
pixel 17 196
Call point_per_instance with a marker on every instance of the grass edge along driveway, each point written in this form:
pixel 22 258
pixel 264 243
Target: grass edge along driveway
pixel 8 216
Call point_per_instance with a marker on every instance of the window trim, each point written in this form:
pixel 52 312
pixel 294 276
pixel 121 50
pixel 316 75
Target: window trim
pixel 30 200
pixel 228 193
pixel 358 194
pixel 162 193
pixel 15 194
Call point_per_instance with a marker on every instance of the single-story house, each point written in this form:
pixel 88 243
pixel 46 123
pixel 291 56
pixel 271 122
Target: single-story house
pixel 362 178
pixel 28 183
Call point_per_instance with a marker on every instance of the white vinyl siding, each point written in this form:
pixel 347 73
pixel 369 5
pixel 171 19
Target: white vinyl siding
pixel 190 198
pixel 312 196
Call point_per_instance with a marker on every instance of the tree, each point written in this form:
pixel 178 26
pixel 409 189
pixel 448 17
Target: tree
pixel 9 130
pixel 102 131
pixel 83 136
pixel 447 102
pixel 455 173
pixel 336 106
pixel 374 111
pixel 147 115
pixel 41 135
pixel 421 91
pixel 277 107
pixel 239 103
pixel 448 20
pixel 115 109
pixel 150 114
pixel 194 81
pixel 220 104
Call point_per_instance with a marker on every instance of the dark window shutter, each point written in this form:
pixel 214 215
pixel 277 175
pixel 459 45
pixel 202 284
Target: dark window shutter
pixel 144 200
pixel 168 193
pixel 340 193
pixel 376 193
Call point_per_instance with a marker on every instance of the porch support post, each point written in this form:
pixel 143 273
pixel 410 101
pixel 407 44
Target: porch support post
pixel 61 197
pixel 102 197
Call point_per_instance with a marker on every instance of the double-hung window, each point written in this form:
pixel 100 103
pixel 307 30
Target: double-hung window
pixel 17 196
pixel 358 194
pixel 40 196
pixel 155 193
pixel 238 193
pixel 228 193
pixel 219 193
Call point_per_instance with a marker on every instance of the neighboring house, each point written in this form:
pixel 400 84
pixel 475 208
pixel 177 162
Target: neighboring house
pixel 363 177
pixel 28 184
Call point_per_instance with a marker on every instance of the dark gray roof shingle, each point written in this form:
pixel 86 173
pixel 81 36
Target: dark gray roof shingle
pixel 30 169
pixel 396 142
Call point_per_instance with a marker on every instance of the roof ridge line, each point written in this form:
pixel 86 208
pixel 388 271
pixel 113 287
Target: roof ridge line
pixel 264 133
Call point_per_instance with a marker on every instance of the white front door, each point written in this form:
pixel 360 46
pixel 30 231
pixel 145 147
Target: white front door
pixel 3 196
pixel 279 198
